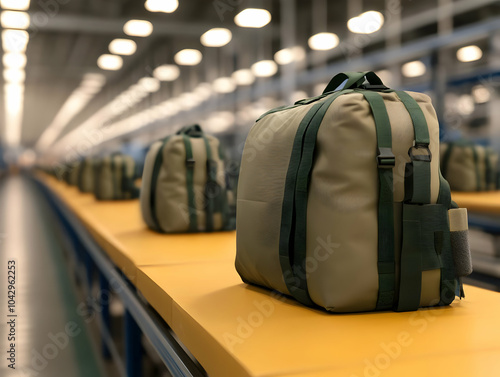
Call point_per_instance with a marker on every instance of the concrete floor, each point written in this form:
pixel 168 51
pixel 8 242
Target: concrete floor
pixel 52 339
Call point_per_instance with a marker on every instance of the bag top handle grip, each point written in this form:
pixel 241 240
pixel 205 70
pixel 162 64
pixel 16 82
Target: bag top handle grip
pixel 354 80
pixel 194 131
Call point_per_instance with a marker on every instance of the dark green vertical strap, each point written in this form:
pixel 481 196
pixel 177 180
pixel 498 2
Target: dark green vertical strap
pixel 209 187
pixel 193 218
pixel 385 161
pixel 411 266
pixel 114 178
pixel 444 196
pixel 419 169
pixel 154 180
pixel 417 192
pixel 417 117
pixel 124 183
pixel 292 252
pixel 295 286
pixel 488 174
pixel 448 280
pixel 223 199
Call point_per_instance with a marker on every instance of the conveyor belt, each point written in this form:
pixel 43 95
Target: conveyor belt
pixel 236 330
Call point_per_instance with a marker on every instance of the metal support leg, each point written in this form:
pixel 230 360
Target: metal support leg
pixel 133 347
pixel 105 297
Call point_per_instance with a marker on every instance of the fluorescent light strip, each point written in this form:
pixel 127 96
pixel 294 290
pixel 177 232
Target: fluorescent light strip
pixel 81 96
pixel 14 43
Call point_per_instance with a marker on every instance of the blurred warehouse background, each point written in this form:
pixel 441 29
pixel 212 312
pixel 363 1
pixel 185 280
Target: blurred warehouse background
pixel 88 77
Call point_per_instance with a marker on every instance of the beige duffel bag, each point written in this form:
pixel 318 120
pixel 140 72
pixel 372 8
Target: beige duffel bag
pixel 183 184
pixel 469 167
pixel 341 203
pixel 114 178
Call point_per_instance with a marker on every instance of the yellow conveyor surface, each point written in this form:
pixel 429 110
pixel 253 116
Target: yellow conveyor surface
pixel 236 330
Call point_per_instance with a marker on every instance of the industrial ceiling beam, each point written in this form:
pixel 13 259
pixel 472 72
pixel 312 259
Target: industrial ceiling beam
pixel 114 26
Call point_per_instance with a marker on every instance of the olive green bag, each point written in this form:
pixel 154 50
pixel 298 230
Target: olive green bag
pixel 183 184
pixel 114 178
pixel 86 175
pixel 341 203
pixel 73 173
pixel 469 167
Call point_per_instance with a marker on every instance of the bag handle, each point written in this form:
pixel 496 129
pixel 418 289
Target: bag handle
pixel 354 80
pixel 193 131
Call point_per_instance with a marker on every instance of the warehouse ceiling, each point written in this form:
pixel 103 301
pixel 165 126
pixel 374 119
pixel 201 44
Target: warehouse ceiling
pixel 67 37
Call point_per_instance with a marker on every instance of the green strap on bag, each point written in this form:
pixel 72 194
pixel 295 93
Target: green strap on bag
pixel 385 163
pixel 294 210
pixel 193 217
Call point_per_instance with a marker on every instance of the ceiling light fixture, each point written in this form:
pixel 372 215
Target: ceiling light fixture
pixel 90 85
pixel 14 76
pixel 14 60
pixel 413 69
pixel 481 94
pixel 14 20
pixel 243 77
pixel 224 85
pixel 366 23
pixel 469 53
pixel 290 55
pixel 15 40
pixel 150 84
pixel 323 41
pixel 110 62
pixel 138 28
pixel 188 57
pixel 14 103
pixel 216 37
pixel 166 72
pixel 164 6
pixel 122 46
pixel 253 18
pixel 15 4
pixel 264 68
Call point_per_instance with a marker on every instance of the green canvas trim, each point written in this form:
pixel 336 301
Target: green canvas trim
pixel 154 181
pixel 193 218
pixel 489 172
pixel 418 171
pixel 417 116
pixel 386 260
pixel 448 282
pixel 211 180
pixel 114 176
pixel 294 210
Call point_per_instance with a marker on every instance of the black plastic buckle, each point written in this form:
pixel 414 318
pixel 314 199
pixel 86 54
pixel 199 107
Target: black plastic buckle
pixel 373 87
pixel 385 158
pixel 190 162
pixel 420 157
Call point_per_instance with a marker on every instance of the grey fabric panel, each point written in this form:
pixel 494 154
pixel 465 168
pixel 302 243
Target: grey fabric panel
pixel 147 176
